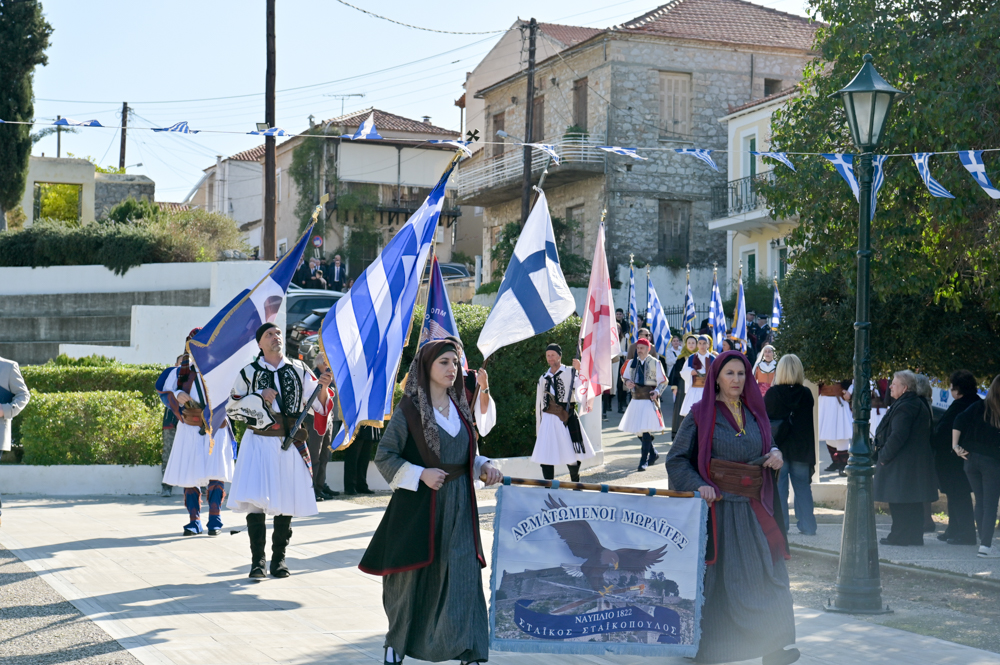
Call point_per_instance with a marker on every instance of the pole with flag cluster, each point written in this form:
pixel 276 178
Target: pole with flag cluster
pixel 633 313
pixel 689 311
pixel 656 319
pixel 740 315
pixel 598 336
pixel 716 312
pixel 776 307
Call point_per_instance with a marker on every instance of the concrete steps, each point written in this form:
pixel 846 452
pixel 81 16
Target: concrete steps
pixel 97 304
pixel 64 328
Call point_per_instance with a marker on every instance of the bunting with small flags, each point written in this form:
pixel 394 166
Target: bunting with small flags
pixel 180 128
pixel 625 152
pixel 779 156
pixel 936 189
pixel 66 122
pixel 548 149
pixel 461 145
pixel 972 160
pixel 273 131
pixel 366 131
pixel 701 153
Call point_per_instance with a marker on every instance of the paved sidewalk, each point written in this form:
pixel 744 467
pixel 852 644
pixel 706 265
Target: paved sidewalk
pixel 175 600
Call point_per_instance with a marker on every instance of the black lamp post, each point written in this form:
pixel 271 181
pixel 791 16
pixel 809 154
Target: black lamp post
pixel 867 100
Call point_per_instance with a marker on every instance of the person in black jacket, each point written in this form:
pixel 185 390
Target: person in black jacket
pixel 976 439
pixel 676 381
pixel 904 473
pixel 356 459
pixel 790 409
pixel 949 466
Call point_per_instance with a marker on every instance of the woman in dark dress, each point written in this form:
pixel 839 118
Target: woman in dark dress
pixel 949 466
pixel 723 450
pixel 427 546
pixel 976 439
pixel 676 381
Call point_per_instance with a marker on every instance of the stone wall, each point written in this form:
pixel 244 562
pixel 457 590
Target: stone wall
pixel 111 189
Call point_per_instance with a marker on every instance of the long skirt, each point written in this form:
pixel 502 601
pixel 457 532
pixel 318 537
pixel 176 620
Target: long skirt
pixel 692 397
pixel 191 465
pixel 271 480
pixel 641 416
pixel 835 419
pixel 438 612
pixel 748 605
pixel 553 445
pixel 678 402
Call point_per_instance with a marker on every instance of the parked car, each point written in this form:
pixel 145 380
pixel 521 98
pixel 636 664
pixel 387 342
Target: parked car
pixel 448 271
pixel 300 302
pixel 302 329
pixel 309 350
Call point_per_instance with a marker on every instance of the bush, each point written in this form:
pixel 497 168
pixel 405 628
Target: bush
pixel 107 427
pixel 514 371
pixel 69 379
pixel 489 287
pixel 131 210
pixel 62 360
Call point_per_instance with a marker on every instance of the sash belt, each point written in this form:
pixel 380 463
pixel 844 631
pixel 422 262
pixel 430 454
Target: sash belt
pixel 697 381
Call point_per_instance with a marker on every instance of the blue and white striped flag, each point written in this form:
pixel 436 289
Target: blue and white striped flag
pixel 717 315
pixel 366 130
pixel 779 156
pixel 626 152
pixel 689 310
pixel 972 160
pixel 549 150
pixel 740 315
pixel 936 189
pixel 656 319
pixel 461 145
pixel 533 296
pixel 633 312
pixel 701 153
pixel 363 338
pixel 228 342
pixel 776 308
pixel 273 131
pixel 180 127
pixel 66 122
pixel 844 164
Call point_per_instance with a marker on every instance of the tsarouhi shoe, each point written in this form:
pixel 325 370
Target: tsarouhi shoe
pixel 257 530
pixel 214 525
pixel 193 528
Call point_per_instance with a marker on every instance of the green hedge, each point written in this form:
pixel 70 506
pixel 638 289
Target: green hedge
pixel 514 371
pixel 64 379
pixel 105 427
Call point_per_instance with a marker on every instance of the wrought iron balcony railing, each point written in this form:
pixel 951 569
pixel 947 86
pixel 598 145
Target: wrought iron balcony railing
pixel 740 196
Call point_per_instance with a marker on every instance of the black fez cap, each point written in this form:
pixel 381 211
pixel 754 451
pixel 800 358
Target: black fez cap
pixel 554 347
pixel 264 328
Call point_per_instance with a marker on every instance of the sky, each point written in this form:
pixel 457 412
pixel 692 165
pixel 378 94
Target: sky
pixel 204 63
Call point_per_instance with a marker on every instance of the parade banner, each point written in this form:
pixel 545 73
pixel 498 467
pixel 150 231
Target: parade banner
pixel 589 573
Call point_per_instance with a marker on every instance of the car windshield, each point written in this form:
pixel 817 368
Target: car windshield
pixel 312 321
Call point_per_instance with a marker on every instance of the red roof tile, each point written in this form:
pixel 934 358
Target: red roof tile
pixel 391 122
pixel 173 207
pixel 764 100
pixel 568 35
pixel 732 21
pixel 251 155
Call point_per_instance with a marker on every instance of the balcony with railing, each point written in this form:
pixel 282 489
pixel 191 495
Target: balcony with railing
pixel 740 204
pixel 495 179
pixel 393 199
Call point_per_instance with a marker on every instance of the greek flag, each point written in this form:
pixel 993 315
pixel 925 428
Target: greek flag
pixel 228 342
pixel 779 156
pixel 717 315
pixel 533 296
pixel 180 127
pixel 845 167
pixel 972 160
pixel 273 131
pixel 776 309
pixel 700 153
pixel 365 131
pixel 549 150
pixel 627 152
pixel 461 145
pixel 933 186
pixel 66 122
pixel 656 319
pixel 363 339
pixel 689 311
pixel 633 312
pixel 740 315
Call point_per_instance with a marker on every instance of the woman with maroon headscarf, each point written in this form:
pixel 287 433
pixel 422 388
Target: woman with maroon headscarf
pixel 724 451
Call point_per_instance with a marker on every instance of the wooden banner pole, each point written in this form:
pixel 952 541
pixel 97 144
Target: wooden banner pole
pixel 595 487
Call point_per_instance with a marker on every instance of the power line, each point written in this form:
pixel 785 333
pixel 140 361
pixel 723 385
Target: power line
pixel 416 27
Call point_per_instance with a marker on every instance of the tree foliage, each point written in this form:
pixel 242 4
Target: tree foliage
pixel 567 232
pixel 935 260
pixel 24 36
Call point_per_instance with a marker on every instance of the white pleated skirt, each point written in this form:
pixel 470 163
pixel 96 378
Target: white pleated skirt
pixel 835 419
pixel 641 416
pixel 554 445
pixel 876 417
pixel 191 465
pixel 270 479
pixel 691 397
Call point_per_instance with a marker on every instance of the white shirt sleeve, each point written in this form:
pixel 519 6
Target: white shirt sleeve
pixel 407 478
pixel 170 385
pixel 485 421
pixel 477 468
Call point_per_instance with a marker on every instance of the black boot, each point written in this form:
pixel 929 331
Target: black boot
pixel 279 541
pixel 257 530
pixel 574 472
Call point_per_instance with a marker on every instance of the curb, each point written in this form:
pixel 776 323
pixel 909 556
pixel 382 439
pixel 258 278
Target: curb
pixel 993 585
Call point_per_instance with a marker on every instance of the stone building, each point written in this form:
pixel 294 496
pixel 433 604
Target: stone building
pixel 656 83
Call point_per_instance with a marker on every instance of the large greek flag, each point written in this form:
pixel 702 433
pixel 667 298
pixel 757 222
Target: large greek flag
pixel 656 319
pixel 228 342
pixel 533 296
pixel 363 339
pixel 717 315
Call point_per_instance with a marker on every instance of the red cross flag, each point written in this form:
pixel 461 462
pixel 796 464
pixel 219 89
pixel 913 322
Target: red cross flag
pixel 598 334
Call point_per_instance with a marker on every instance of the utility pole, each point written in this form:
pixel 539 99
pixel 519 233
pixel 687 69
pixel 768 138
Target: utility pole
pixel 121 155
pixel 529 117
pixel 58 138
pixel 270 202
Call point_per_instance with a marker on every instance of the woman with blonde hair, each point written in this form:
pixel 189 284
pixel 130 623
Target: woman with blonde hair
pixel 790 410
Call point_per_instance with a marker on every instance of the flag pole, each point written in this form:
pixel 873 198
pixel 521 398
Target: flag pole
pixel 595 487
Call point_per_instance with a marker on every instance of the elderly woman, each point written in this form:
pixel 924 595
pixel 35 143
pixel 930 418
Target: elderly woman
pixel 427 545
pixel 904 473
pixel 724 452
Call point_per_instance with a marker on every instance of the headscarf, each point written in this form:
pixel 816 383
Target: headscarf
pixel 418 388
pixel 704 417
pixel 766 367
pixel 684 348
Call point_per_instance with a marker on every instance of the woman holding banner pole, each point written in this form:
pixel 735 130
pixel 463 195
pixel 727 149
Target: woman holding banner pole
pixel 724 451
pixel 427 546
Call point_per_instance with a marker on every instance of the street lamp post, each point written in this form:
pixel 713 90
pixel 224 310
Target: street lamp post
pixel 867 100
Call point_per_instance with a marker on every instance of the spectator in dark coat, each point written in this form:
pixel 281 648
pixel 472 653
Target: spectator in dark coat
pixel 904 473
pixel 976 439
pixel 336 274
pixel 319 445
pixel 356 459
pixel 950 468
pixel 790 410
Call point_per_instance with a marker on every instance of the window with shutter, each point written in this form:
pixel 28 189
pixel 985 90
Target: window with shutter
pixel 580 103
pixel 675 104
pixel 674 223
pixel 538 120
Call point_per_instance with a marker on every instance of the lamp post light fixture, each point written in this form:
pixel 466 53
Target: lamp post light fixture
pixel 867 101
